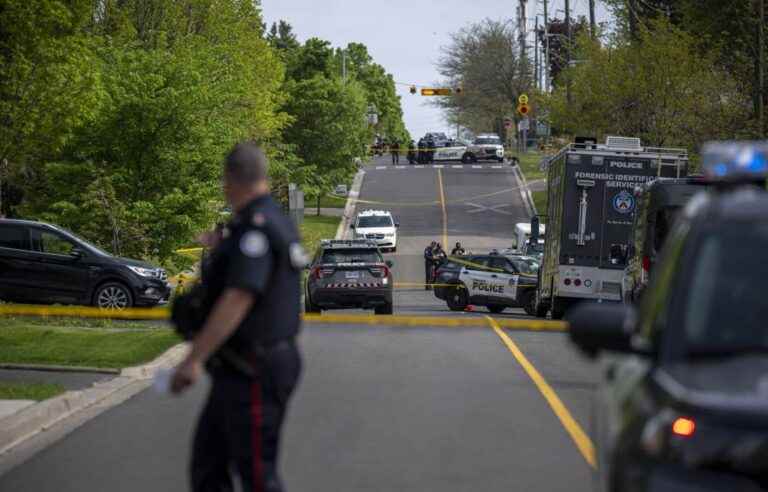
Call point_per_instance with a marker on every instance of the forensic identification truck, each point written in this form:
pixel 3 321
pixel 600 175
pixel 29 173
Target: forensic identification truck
pixel 590 213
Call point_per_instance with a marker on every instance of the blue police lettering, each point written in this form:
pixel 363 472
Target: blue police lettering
pixel 485 286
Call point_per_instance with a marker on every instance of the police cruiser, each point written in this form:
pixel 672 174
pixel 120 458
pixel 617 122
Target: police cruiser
pixel 494 281
pixel 486 146
pixel 377 226
pixel 591 204
pixel 349 274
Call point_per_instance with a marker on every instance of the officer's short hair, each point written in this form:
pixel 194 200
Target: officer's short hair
pixel 246 164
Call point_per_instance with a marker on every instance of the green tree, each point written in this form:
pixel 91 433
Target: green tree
pixel 659 89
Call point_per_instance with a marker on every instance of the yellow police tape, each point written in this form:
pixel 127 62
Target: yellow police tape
pixel 163 313
pixel 433 202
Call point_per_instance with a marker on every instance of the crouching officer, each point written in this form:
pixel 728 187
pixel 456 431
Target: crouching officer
pixel 248 303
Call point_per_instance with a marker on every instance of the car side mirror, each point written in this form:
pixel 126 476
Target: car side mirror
pixel 397 224
pixel 77 253
pixel 602 327
pixel 351 226
pixel 389 263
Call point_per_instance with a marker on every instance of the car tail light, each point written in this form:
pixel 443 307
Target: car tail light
pixel 319 272
pixel 382 271
pixel 683 427
pixel 567 281
pixel 647 264
pixel 577 282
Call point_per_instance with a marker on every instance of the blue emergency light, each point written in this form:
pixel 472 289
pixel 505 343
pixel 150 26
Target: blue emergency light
pixel 735 161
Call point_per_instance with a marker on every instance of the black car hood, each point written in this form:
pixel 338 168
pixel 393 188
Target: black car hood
pixel 737 384
pixel 136 263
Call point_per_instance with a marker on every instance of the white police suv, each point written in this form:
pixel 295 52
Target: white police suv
pixel 486 146
pixel 377 226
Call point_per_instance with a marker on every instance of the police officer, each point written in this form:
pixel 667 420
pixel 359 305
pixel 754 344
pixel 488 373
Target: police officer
pixel 394 148
pixel 430 155
pixel 422 152
pixel 411 152
pixel 429 263
pixel 247 342
pixel 458 250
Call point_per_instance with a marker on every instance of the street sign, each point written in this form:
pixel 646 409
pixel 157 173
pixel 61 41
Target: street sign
pixel 507 123
pixel 524 125
pixel 523 99
pixel 523 109
pixel 436 92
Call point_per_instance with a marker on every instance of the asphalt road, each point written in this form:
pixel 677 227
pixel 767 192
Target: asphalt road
pixel 380 408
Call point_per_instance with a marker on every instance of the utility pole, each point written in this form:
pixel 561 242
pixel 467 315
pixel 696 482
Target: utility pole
pixel 632 7
pixel 344 66
pixel 536 54
pixel 568 50
pixel 546 47
pixel 521 24
pixel 592 25
pixel 761 66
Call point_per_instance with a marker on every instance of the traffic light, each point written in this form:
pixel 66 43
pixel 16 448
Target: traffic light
pixel 436 92
pixel 413 89
pixel 523 109
pixel 459 90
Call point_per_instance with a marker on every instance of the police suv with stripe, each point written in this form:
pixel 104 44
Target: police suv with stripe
pixel 349 274
pixel 496 282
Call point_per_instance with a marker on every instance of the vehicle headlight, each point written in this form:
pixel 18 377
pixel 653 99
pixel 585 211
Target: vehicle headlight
pixel 144 272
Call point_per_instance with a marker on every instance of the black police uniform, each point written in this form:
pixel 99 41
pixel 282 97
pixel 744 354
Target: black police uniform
pixel 394 148
pixel 430 157
pixel 422 151
pixel 257 369
pixel 428 265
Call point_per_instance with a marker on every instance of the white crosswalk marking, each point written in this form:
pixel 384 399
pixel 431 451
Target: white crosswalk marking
pixel 399 167
pixel 438 166
pixel 476 167
pixel 459 166
pixel 419 167
pixel 381 167
pixel 496 167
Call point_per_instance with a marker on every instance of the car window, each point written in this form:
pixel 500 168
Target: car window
pixel 477 263
pixel 14 237
pixel 500 263
pixel 352 256
pixel 375 221
pixel 487 141
pixel 52 243
pixel 724 307
pixel 526 266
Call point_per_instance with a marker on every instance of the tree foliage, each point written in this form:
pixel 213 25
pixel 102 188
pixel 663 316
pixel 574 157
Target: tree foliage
pixel 484 59
pixel 660 89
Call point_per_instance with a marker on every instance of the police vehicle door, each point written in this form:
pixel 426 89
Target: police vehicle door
pixel 505 276
pixel 482 280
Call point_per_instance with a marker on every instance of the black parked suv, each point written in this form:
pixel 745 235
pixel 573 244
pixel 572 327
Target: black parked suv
pixel 41 263
pixel 349 274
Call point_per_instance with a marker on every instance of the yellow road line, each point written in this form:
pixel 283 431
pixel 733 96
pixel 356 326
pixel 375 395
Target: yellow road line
pixel 442 206
pixel 580 438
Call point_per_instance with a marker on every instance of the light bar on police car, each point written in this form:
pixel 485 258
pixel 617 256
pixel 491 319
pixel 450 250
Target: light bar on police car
pixel 733 160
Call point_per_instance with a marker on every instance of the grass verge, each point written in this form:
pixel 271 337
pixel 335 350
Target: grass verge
pixel 31 341
pixel 29 391
pixel 540 201
pixel 529 165
pixel 328 201
pixel 314 228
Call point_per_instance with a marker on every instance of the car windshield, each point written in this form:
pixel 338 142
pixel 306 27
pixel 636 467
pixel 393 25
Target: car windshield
pixel 352 256
pixel 526 266
pixel 375 221
pixel 725 308
pixel 487 141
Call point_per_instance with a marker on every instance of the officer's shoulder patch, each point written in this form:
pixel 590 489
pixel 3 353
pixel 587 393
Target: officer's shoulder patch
pixel 298 257
pixel 254 244
pixel 258 219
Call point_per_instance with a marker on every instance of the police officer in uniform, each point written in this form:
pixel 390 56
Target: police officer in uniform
pixel 429 262
pixel 422 151
pixel 247 341
pixel 394 149
pixel 430 155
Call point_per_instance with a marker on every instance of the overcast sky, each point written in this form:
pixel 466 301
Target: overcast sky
pixel 404 36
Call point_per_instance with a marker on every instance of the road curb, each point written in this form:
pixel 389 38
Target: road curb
pixel 54 368
pixel 525 192
pixel 26 423
pixel 349 209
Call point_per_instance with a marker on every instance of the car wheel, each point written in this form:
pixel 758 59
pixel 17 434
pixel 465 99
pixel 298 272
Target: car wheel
pixel 385 309
pixel 113 295
pixel 558 308
pixel 495 308
pixel 528 302
pixel 540 307
pixel 310 307
pixel 458 298
pixel 500 159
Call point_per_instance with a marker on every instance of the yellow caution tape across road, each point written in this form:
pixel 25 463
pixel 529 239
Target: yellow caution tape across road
pixel 163 313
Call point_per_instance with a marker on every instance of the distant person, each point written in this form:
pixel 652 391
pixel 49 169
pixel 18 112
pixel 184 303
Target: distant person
pixel 411 152
pixel 394 148
pixel 430 144
pixel 429 263
pixel 458 250
pixel 422 156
